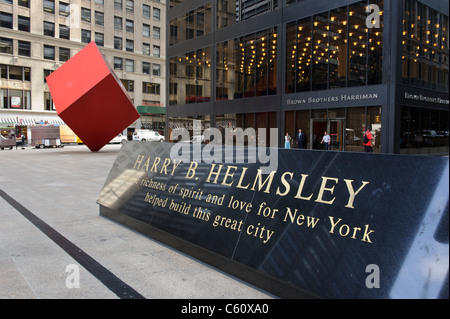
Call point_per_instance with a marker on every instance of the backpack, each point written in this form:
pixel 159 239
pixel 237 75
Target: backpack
pixel 365 139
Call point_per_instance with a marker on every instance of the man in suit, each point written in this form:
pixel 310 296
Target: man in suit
pixel 300 138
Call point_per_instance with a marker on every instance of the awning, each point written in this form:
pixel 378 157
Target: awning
pixel 150 109
pixel 25 121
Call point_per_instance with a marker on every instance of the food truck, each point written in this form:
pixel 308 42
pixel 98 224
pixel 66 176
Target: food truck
pixel 46 136
pixel 7 137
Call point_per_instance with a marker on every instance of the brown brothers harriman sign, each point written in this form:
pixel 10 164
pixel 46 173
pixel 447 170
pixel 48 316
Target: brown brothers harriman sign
pixel 326 224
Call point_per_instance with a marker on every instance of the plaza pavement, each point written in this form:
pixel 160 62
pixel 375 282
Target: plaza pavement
pixel 58 188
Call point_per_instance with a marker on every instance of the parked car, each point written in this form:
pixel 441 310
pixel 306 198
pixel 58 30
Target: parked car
pixel 119 139
pixel 147 135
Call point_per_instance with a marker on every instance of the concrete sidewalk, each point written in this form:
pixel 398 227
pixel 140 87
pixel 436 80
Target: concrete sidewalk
pixel 60 187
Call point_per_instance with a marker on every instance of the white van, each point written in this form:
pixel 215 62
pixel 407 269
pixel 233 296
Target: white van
pixel 147 135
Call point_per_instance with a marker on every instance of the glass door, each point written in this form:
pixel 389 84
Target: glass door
pixel 333 127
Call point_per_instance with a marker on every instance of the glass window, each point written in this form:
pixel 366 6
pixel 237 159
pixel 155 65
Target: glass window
pixel 49 52
pixel 6 20
pixel 99 18
pixel 64 32
pixel 85 36
pixel 338 48
pixel 193 74
pixel 118 63
pixel 195 23
pixel 64 54
pixel 146 48
pixel 118 43
pixel 145 68
pixel 156 69
pixel 129 45
pixel 64 9
pixel 156 51
pixel 118 4
pixel 129 25
pixel 24 23
pixel 23 3
pixel 49 6
pixel 118 24
pixel 85 15
pixel 24 48
pixel 129 65
pixel 49 28
pixel 320 51
pixel 146 30
pixel 146 11
pixel 157 14
pixel 129 6
pixel 99 39
pixel 6 45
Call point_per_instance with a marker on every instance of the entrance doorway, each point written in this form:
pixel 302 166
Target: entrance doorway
pixel 334 128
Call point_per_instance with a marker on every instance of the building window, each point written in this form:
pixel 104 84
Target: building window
pixel 146 11
pixel 64 54
pixel 24 3
pixel 118 63
pixel 24 48
pixel 118 43
pixel 425 57
pixel 151 88
pixel 129 65
pixel 6 20
pixel 129 25
pixel 118 4
pixel 6 1
pixel 23 23
pixel 99 39
pixel 6 45
pixel 99 2
pixel 146 30
pixel 64 32
pixel 156 14
pixel 193 72
pixel 49 52
pixel 128 84
pixel 333 49
pixel 99 18
pixel 146 68
pixel 246 66
pixel 86 15
pixel 49 28
pixel 118 24
pixel 194 22
pixel 156 51
pixel 156 33
pixel 49 6
pixel 85 36
pixel 129 6
pixel 64 9
pixel 145 48
pixel 129 45
pixel 156 70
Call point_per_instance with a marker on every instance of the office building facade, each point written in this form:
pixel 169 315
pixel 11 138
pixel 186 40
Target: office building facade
pixel 337 66
pixel 38 36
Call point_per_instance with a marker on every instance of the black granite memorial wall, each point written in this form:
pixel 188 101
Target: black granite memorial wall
pixel 316 224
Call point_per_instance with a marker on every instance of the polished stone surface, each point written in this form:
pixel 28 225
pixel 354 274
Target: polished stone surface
pixel 326 224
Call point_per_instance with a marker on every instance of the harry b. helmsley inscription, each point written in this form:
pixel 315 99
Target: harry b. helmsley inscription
pixel 314 224
pixel 225 175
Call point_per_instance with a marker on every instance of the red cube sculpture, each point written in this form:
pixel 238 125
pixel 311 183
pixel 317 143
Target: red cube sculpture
pixel 90 98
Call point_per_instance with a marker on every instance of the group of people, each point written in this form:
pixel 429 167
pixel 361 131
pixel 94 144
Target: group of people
pixel 326 140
